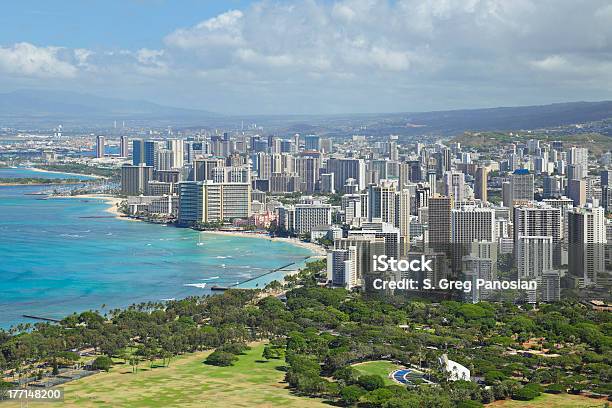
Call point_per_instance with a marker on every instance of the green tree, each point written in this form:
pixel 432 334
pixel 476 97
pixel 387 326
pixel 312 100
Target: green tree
pixel 371 382
pixel 350 394
pixel 102 363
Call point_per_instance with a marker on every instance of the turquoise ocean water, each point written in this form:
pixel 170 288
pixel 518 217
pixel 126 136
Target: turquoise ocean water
pixel 54 262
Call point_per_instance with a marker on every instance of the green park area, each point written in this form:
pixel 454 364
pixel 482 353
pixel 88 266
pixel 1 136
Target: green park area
pixel 382 368
pixel 552 401
pixel 187 382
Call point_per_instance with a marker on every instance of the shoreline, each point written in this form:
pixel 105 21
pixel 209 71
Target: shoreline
pixel 33 184
pixel 317 250
pixel 36 169
pixel 112 202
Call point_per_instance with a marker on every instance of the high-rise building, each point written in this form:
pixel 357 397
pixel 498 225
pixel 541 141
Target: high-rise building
pixel 454 186
pixel 480 184
pixel 203 168
pixel 521 186
pixel 327 183
pixel 577 191
pixel 150 153
pixel 366 247
pixel 404 217
pixel 470 224
pixel 138 152
pixel 308 167
pixel 164 159
pixel 534 256
pixel 553 186
pixel 206 201
pixel 231 174
pixel 309 216
pixel 347 168
pixel 124 146
pixel 382 203
pixel 538 220
pixel 312 142
pixel 351 204
pixel 178 152
pixel 586 240
pixel 550 286
pixel 386 231
pixel 606 178
pixel 100 146
pixel 135 179
pixel 439 222
pixel 578 157
pixel 342 267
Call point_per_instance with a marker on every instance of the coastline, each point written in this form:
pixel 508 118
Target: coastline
pixel 31 184
pixel 113 209
pixel 62 172
pixel 112 202
pixel 317 250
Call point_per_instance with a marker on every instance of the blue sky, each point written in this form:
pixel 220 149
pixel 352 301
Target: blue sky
pixel 103 24
pixel 312 56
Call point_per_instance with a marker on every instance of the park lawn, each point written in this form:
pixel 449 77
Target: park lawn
pixel 552 401
pixel 382 368
pixel 187 382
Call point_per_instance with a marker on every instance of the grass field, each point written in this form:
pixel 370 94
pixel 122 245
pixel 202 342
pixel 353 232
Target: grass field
pixel 552 401
pixel 187 382
pixel 382 368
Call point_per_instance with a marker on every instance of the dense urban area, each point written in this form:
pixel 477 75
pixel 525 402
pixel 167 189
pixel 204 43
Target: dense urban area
pixel 510 229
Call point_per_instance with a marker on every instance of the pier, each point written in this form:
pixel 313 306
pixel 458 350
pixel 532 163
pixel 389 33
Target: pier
pixel 264 274
pixel 45 319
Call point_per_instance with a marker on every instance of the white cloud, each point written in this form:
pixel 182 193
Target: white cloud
pixel 27 60
pixel 221 31
pixel 551 63
pixel 359 55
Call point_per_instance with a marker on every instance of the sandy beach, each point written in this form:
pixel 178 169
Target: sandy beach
pixel 316 249
pixel 112 202
pixel 63 172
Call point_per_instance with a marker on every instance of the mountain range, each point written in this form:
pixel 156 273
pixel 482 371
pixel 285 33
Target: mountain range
pixel 37 107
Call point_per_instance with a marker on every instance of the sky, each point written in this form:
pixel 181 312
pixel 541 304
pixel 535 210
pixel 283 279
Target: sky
pixel 312 56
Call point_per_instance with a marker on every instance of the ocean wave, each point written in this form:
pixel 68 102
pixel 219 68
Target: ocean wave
pixel 72 236
pixel 211 278
pixel 196 285
pixel 223 257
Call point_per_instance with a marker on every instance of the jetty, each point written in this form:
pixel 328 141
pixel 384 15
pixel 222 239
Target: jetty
pixel 42 318
pixel 267 273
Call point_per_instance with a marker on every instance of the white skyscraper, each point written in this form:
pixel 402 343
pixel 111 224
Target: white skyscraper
pixel 454 186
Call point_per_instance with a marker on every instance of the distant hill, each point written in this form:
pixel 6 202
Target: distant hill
pixel 452 122
pixel 64 105
pixel 509 118
pixel 35 107
pixel 484 141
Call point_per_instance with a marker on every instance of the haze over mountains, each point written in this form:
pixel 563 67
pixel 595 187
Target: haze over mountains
pixel 49 108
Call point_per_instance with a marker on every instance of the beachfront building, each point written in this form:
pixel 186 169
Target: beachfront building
pixel 204 202
pixel 135 179
pixel 309 216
